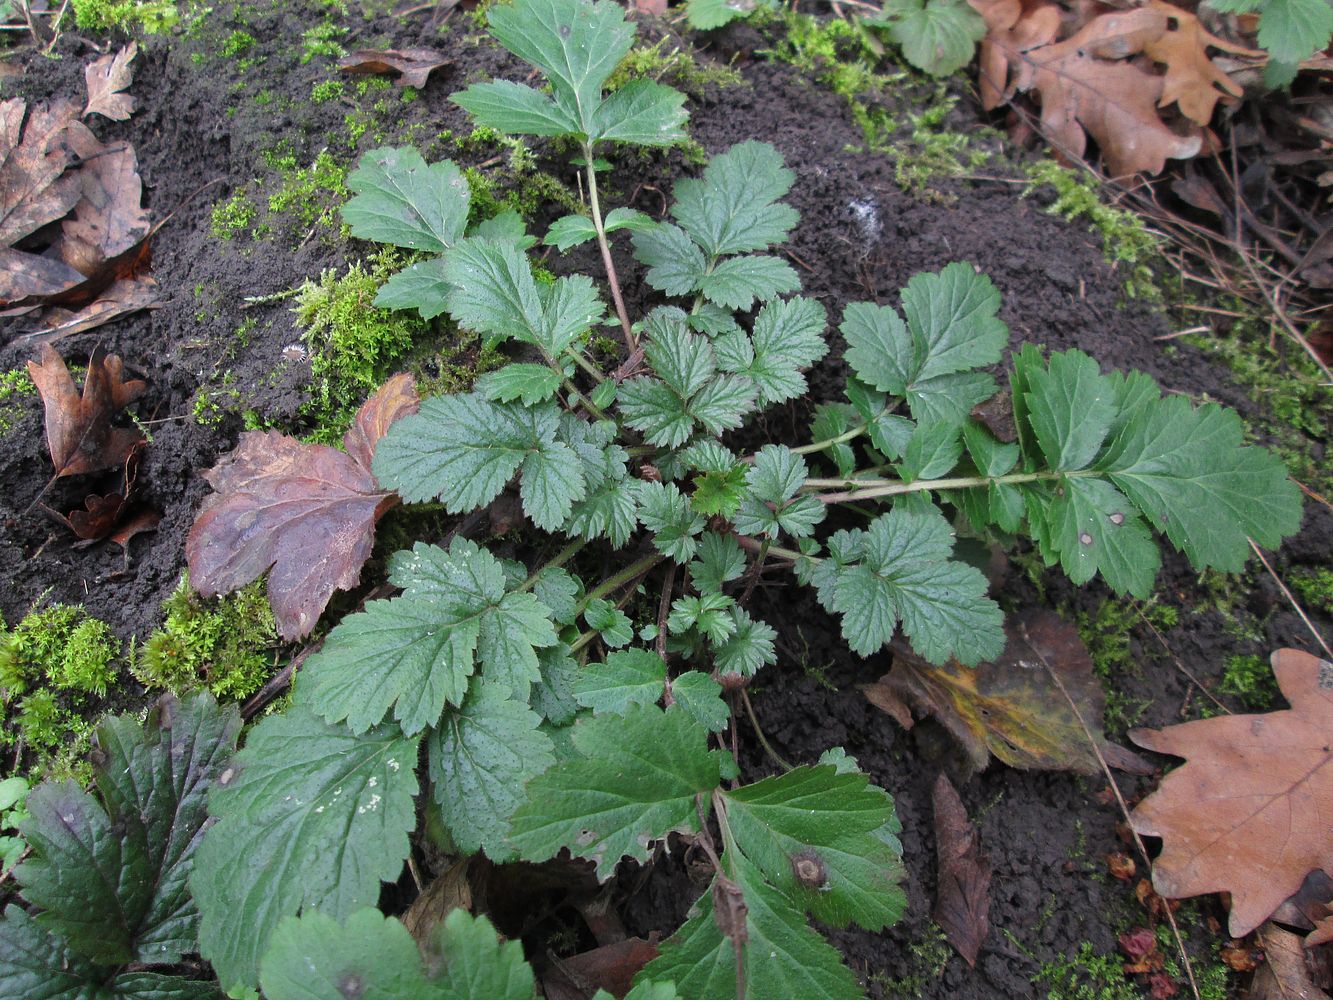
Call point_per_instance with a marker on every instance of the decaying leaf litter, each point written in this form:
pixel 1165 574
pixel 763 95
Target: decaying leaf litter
pixel 867 182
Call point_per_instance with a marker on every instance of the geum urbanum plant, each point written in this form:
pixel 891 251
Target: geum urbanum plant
pixel 532 744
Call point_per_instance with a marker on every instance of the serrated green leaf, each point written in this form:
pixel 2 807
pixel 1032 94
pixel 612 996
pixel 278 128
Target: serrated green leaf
pixel 783 956
pixel 643 112
pixel 421 286
pixel 570 231
pixel 635 781
pixel 675 263
pixel 731 209
pixel 480 756
pixel 398 199
pixel 627 218
pixel 719 492
pixel 300 787
pixel 604 395
pixel 905 574
pixel 937 36
pixel 699 695
pixel 1094 528
pixel 110 875
pixel 552 697
pixel 932 450
pixel 713 320
pixel 1187 469
pixel 722 403
pixel 1293 30
pixel 314 957
pixel 612 623
pixel 705 15
pixel 158 986
pixel 511 634
pixel 559 591
pixel 739 282
pixel 830 819
pixel 570 308
pixel 552 483
pixel 679 358
pixel 649 406
pixel 1070 406
pixel 709 613
pixel 750 647
pixel 630 677
pixel 524 381
pixel 37 965
pixel 643 991
pixel 506 226
pixel 771 504
pixel 516 109
pixel 879 347
pixel 788 337
pixel 666 512
pixel 610 511
pixel 719 560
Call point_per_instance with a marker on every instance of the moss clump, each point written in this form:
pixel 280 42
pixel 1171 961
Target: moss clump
pixel 311 194
pixel 14 385
pixel 62 644
pixel 1087 976
pixel 1106 633
pixel 327 90
pixel 149 16
pixel 681 69
pixel 516 184
pixel 1125 239
pixel 232 217
pixel 237 44
pixel 1314 587
pixel 322 41
pixel 934 151
pixel 224 644
pixel 1251 680
pixel 352 344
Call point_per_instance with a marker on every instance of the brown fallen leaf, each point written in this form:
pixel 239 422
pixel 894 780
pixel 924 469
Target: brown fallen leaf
pixel 29 278
pixel 1139 945
pixel 450 891
pixel 962 901
pixel 413 65
pixel 108 220
pixel 1193 81
pixel 106 78
pixel 1285 974
pixel 34 188
pixel 125 296
pixel 1009 707
pixel 79 433
pixel 1015 27
pixel 1248 811
pixel 303 513
pixel 611 967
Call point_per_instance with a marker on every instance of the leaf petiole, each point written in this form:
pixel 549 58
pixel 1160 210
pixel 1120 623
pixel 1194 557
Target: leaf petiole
pixel 631 341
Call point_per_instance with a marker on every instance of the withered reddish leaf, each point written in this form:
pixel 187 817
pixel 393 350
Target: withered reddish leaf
pixel 125 296
pixel 145 520
pixel 962 900
pixel 31 277
pixel 451 890
pixel 1285 973
pixel 79 433
pixel 395 399
pixel 109 220
pixel 882 695
pixel 106 78
pixel 304 513
pixel 612 967
pixel 1140 946
pixel 1248 811
pixel 1010 707
pixel 414 64
pixel 34 188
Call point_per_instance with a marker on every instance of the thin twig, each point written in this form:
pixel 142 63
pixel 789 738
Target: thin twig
pixel 1291 598
pixel 1138 609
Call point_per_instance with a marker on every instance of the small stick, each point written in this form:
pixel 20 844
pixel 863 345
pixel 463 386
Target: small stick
pixel 1291 598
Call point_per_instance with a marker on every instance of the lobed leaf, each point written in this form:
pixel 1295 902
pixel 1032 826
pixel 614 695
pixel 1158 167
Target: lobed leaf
pixel 398 199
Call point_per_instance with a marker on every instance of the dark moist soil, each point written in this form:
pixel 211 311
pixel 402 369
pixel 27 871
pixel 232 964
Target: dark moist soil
pixel 860 237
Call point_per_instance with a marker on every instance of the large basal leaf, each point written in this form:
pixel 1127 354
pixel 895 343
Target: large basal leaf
pixel 110 875
pixel 398 199
pixel 315 957
pixel 634 780
pixel 304 513
pixel 309 816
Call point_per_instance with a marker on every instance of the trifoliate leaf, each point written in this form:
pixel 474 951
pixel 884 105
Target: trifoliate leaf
pixel 783 956
pixel 828 820
pixel 516 109
pixel 421 286
pixel 643 112
pixel 738 282
pixel 635 781
pixel 110 875
pixel 771 504
pixel 559 591
pixel 528 382
pixel 709 613
pixel 649 406
pixel 613 624
pixel 905 574
pixel 701 696
pixel 749 647
pixel 719 560
pixel 722 403
pixel 788 337
pixel 666 512
pixel 552 696
pixel 609 511
pixel 1293 30
pixel 951 328
pixel 679 358
pixel 932 450
pixel 480 755
pixel 570 231
pixel 719 492
pixel 1187 469
pixel 675 263
pixel 552 483
pixel 314 957
pixel 299 786
pixel 936 36
pixel 398 199
pixel 630 677
pixel 889 432
pixel 576 43
pixel 731 209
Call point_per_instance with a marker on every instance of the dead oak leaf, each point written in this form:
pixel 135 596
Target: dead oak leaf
pixel 1248 811
pixel 79 433
pixel 1285 973
pixel 34 188
pixel 303 513
pixel 109 220
pixel 413 65
pixel 962 901
pixel 1015 27
pixel 1193 80
pixel 106 78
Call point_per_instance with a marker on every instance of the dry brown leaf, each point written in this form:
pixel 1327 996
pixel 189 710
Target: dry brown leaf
pixel 33 279
pixel 1010 707
pixel 1248 811
pixel 34 188
pixel 448 892
pixel 1192 80
pixel 109 220
pixel 962 900
pixel 413 65
pixel 612 967
pixel 1015 27
pixel 106 78
pixel 79 434
pixel 125 296
pixel 304 513
pixel 1285 974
